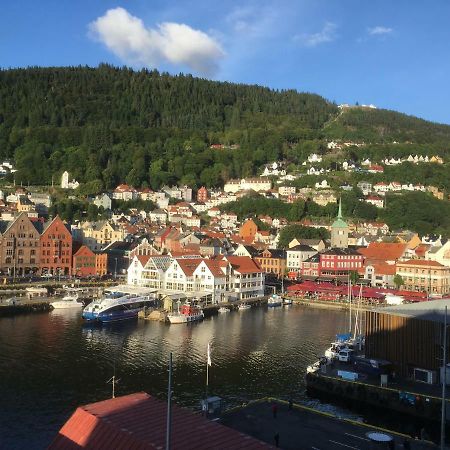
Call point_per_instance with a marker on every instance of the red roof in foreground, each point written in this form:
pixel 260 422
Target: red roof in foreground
pixel 138 421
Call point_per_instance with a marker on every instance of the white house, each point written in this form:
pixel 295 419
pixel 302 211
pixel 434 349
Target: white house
pixel 295 255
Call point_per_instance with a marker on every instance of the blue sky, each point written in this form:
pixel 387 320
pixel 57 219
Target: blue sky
pixel 394 54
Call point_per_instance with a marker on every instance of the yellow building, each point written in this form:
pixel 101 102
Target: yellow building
pixel 424 276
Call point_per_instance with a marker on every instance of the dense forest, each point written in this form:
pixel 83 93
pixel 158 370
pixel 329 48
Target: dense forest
pixel 108 125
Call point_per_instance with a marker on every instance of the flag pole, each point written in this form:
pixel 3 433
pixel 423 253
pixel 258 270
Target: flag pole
pixel 208 363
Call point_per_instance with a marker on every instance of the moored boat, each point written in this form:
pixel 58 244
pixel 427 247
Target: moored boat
pixel 222 309
pixel 244 306
pixel 287 301
pixel 187 313
pixel 119 303
pixel 274 301
pixel 68 301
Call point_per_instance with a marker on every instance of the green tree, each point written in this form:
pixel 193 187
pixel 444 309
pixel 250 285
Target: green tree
pixel 398 281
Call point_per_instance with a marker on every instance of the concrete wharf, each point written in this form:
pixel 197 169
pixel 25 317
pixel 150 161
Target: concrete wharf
pixel 303 428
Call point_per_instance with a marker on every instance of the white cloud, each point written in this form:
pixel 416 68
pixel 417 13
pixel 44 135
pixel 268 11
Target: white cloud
pixel 327 34
pixel 379 30
pixel 129 39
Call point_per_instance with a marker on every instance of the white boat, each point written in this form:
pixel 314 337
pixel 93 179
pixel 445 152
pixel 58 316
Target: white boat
pixel 222 309
pixel 244 306
pixel 119 303
pixel 68 301
pixel 187 313
pixel 287 301
pixel 274 301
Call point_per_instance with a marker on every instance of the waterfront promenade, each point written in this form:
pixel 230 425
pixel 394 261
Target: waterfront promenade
pixel 302 428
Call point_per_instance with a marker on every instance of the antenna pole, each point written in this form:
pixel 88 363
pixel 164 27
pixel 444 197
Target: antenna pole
pixel 169 404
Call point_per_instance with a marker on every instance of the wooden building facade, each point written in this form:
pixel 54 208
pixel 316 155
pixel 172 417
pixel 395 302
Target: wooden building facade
pixel 408 342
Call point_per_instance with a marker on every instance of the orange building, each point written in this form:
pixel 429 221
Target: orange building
pixel 86 263
pixel 56 248
pixel 248 230
pixel 202 194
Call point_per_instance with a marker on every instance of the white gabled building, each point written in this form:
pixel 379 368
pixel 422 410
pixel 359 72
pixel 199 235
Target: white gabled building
pixel 227 278
pixel 247 184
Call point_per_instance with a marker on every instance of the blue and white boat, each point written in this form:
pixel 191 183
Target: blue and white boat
pixel 275 300
pixel 119 303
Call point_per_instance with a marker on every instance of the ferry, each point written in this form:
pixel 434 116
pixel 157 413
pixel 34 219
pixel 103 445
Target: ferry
pixel 187 313
pixel 119 303
pixel 274 301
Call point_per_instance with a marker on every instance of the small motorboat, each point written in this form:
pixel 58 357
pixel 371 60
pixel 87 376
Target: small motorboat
pixel 244 306
pixel 222 309
pixel 287 301
pixel 69 301
pixel 187 313
pixel 274 301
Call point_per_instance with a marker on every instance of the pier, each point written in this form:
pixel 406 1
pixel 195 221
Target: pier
pixel 300 427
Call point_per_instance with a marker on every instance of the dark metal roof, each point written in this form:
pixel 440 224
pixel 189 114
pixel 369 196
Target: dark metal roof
pixel 138 421
pixel 433 310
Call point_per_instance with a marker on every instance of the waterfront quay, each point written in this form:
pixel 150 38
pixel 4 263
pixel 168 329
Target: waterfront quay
pixel 416 405
pixel 302 428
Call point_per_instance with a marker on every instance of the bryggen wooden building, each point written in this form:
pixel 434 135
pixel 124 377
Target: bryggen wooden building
pixel 411 337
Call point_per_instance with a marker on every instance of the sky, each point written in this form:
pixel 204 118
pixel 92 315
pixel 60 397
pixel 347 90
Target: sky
pixel 393 54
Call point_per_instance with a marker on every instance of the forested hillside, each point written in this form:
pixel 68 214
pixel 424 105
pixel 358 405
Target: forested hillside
pixel 109 125
pixel 384 126
pixel 144 126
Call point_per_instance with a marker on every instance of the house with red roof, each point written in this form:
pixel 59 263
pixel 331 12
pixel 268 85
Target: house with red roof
pixel 136 269
pixel 138 421
pixel 216 279
pixel 124 192
pixel 248 277
pixel 388 252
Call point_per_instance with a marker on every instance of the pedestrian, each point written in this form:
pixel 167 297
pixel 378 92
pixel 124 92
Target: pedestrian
pixel 406 444
pixel 276 438
pixel 274 410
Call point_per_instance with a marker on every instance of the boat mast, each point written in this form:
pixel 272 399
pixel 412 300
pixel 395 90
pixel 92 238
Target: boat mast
pixel 350 304
pixel 169 404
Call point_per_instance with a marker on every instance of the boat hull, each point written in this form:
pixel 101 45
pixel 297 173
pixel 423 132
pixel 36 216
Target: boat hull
pixel 67 305
pixel 273 304
pixel 117 316
pixel 181 318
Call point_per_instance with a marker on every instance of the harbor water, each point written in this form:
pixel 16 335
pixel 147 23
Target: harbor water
pixel 50 363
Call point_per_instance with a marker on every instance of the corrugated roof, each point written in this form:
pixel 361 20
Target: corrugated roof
pixel 433 310
pixel 138 421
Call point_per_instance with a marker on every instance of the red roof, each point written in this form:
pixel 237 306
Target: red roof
pixel 143 259
pixel 138 421
pixel 243 264
pixel 188 265
pixel 383 251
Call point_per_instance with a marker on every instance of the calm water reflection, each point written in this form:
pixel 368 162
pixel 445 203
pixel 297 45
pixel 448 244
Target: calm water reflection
pixel 51 363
